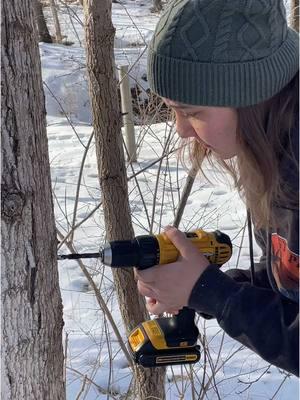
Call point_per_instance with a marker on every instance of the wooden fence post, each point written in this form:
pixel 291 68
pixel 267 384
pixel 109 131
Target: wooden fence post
pixel 58 34
pixel 126 106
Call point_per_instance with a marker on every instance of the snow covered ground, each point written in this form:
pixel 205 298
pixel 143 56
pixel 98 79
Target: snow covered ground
pixel 95 362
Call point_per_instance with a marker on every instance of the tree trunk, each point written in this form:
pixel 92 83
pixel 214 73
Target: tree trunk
pixel 157 6
pixel 295 14
pixel 31 317
pixel 56 22
pixel 44 35
pixel 112 171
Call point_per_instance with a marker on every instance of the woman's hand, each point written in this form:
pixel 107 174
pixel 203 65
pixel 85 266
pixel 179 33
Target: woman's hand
pixel 169 286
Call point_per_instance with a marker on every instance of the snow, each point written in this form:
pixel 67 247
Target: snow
pixel 96 364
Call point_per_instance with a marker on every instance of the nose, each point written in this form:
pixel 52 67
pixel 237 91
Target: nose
pixel 184 128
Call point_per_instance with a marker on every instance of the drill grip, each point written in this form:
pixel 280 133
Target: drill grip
pixel 185 328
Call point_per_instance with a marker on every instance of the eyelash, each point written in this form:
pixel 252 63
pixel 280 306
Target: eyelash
pixel 191 115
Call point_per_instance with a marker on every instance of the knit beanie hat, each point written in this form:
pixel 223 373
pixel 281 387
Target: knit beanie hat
pixel 230 53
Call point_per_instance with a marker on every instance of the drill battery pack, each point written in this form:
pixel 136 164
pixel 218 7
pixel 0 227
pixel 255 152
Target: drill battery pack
pixel 166 341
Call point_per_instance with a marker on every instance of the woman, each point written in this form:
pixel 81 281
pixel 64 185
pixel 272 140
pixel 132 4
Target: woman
pixel 229 69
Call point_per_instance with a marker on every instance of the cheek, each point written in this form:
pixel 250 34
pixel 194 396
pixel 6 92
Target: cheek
pixel 231 131
pixel 202 129
pixel 221 136
pixel 227 130
pixel 184 128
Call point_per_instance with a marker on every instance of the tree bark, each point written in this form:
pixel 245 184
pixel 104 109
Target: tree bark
pixel 295 14
pixel 157 6
pixel 58 34
pixel 44 35
pixel 31 317
pixel 112 171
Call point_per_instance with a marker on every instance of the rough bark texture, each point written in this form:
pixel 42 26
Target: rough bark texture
pixel 295 14
pixel 56 21
pixel 157 5
pixel 112 171
pixel 44 35
pixel 31 315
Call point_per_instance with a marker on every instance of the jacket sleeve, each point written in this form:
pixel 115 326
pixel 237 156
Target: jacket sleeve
pixel 260 269
pixel 244 275
pixel 262 320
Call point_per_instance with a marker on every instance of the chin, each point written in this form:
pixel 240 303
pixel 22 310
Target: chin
pixel 229 157
pixel 224 156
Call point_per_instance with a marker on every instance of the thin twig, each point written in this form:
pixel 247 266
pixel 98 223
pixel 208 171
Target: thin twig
pixel 185 194
pixel 82 387
pixel 254 381
pixel 100 389
pixel 65 238
pixel 62 242
pixel 157 180
pixel 280 386
pixel 79 184
pixel 101 303
pixel 65 360
pixel 65 114
pixel 137 184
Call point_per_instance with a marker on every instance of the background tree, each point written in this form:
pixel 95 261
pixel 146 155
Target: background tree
pixel 44 35
pixel 295 14
pixel 157 6
pixel 58 34
pixel 112 171
pixel 31 317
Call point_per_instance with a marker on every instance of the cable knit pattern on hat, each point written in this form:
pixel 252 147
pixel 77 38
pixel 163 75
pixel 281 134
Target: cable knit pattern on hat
pixel 222 52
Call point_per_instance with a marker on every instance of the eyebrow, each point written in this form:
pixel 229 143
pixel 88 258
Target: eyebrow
pixel 182 107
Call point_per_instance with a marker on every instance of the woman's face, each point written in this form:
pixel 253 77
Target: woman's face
pixel 213 127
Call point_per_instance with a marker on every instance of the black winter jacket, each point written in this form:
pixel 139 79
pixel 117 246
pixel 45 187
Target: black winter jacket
pixel 265 316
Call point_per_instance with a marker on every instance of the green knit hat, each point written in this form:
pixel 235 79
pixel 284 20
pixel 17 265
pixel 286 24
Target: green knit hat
pixel 231 53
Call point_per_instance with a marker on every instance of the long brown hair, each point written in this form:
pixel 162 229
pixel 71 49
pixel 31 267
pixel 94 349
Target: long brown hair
pixel 264 136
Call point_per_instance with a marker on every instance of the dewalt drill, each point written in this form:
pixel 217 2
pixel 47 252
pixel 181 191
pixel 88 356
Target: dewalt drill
pixel 166 340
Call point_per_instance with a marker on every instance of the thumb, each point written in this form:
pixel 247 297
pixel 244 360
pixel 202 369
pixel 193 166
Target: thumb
pixel 180 241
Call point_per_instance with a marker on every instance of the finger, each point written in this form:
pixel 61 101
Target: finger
pixel 146 275
pixel 157 308
pixel 173 311
pixel 145 290
pixel 180 241
pixel 151 301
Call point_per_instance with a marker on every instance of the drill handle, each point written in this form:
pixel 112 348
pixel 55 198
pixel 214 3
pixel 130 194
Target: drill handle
pixel 186 315
pixel 180 330
pixel 186 329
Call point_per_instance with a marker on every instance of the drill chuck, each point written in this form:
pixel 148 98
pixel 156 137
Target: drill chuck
pixel 141 252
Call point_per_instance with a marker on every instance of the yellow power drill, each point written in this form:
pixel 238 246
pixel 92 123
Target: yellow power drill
pixel 166 340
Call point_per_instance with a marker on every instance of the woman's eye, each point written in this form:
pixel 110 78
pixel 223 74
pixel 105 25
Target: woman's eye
pixel 191 115
pixel 194 115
